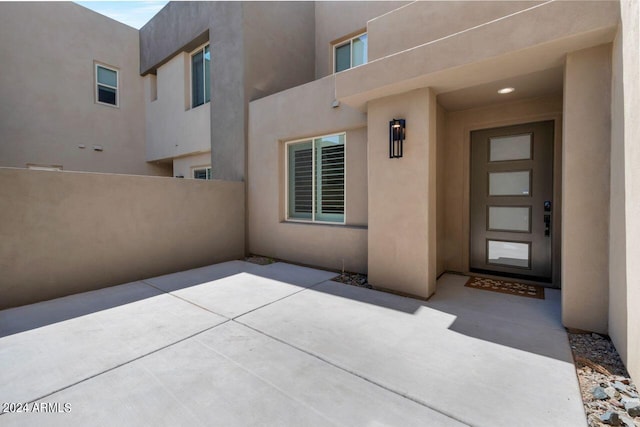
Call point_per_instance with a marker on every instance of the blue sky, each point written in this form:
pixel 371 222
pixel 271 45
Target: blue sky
pixel 133 13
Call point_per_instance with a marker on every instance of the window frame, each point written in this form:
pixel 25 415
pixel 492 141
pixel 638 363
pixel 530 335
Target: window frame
pixel 313 220
pixel 204 87
pixel 349 40
pixel 97 84
pixel 206 168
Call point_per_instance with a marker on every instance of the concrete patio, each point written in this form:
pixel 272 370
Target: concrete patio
pixel 238 344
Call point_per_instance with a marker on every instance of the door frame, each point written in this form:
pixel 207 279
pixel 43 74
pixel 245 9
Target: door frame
pixel 556 236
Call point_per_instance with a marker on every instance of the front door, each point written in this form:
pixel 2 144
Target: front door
pixel 511 201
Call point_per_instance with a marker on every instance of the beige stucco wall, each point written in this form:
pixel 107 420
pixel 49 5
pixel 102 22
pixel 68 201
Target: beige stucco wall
pixel 424 21
pixel 69 232
pixel 301 112
pixel 183 166
pixel 456 155
pixel 174 128
pixel 47 88
pixel 335 20
pixel 441 127
pixel 531 40
pixel 402 195
pixel 624 269
pixel 585 183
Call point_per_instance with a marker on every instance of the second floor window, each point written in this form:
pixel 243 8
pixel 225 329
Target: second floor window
pixel 200 85
pixel 350 53
pixel 106 85
pixel 202 172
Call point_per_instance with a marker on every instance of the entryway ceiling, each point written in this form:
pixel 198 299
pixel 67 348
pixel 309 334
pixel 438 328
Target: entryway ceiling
pixel 541 83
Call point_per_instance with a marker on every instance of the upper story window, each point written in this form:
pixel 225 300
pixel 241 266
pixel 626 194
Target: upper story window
pixel 106 85
pixel 350 53
pixel 316 179
pixel 200 85
pixel 202 172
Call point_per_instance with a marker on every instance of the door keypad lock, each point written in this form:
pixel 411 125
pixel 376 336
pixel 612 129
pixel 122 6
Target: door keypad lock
pixel 547 217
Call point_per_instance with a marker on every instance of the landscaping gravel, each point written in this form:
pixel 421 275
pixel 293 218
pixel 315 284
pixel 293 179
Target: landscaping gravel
pixel 260 260
pixel 608 394
pixel 354 279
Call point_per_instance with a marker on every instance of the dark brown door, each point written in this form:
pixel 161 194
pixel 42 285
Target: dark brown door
pixel 511 201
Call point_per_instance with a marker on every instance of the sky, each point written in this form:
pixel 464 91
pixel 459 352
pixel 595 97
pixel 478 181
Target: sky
pixel 132 13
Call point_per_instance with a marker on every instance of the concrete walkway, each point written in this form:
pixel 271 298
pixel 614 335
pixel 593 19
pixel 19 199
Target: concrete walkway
pixel 237 344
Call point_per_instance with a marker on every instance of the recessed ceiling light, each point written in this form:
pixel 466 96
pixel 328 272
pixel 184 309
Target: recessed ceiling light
pixel 505 90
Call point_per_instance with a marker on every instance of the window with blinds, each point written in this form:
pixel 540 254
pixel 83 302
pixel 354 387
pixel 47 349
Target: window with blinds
pixel 316 179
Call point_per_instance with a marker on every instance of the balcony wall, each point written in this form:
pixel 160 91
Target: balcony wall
pixel 174 128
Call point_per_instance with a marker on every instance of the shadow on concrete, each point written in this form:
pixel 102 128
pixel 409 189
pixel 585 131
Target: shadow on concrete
pixel 529 325
pixel 33 316
pixel 526 324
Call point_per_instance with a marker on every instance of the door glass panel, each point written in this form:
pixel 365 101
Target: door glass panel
pixel 513 254
pixel 509 183
pixel 509 218
pixel 512 147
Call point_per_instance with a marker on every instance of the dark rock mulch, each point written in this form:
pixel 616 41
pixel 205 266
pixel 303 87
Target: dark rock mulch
pixel 260 260
pixel 354 279
pixel 609 395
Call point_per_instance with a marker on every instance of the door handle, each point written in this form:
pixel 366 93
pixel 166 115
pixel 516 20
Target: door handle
pixel 547 217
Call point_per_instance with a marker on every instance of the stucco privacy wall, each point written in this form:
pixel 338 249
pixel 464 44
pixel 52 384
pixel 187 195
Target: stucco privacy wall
pixel 240 34
pixel 47 88
pixel 335 20
pixel 624 273
pixel 585 184
pixel 68 232
pixel 455 158
pixel 402 195
pixel 308 113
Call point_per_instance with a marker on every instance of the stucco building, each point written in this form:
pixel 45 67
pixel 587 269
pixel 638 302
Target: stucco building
pixel 72 96
pixel 517 123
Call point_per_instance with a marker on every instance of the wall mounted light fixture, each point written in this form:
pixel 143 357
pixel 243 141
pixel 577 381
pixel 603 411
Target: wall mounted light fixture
pixel 396 138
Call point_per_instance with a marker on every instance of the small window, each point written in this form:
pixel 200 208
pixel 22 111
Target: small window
pixel 202 173
pixel 316 179
pixel 200 75
pixel 350 53
pixel 106 85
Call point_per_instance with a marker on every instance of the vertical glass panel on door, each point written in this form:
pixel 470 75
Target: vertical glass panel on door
pixel 510 218
pixel 359 51
pixel 511 254
pixel 510 183
pixel 512 147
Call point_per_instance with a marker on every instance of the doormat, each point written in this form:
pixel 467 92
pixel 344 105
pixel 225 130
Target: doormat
pixel 512 288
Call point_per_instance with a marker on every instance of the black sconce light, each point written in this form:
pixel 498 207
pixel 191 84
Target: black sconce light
pixel 396 138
